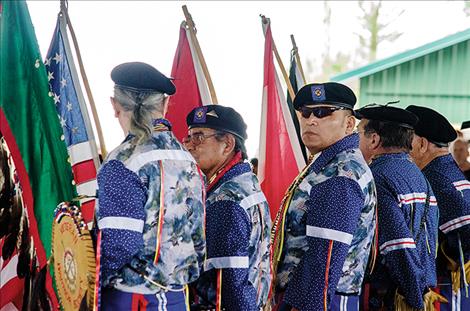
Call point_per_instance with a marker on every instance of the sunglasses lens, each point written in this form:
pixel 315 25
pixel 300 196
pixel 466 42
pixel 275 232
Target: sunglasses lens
pixel 305 112
pixel 322 112
pixel 319 112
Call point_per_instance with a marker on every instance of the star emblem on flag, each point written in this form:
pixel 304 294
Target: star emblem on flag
pixel 56 98
pixel 57 58
pixel 63 122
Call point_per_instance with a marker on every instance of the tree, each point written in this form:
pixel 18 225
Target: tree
pixel 466 8
pixel 330 64
pixel 374 25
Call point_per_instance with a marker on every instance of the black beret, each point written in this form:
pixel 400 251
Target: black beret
pixel 137 76
pixel 433 126
pixel 465 125
pixel 385 113
pixel 331 93
pixel 217 117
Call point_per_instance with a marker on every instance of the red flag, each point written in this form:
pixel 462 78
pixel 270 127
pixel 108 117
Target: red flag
pixel 280 158
pixel 191 85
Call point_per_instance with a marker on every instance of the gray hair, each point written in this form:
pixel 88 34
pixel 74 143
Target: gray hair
pixel 143 105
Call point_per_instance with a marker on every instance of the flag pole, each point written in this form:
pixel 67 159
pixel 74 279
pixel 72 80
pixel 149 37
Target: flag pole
pixel 290 89
pixel 200 56
pixel 297 57
pixel 64 10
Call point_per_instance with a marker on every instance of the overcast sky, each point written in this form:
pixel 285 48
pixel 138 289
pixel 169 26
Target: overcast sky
pixel 231 38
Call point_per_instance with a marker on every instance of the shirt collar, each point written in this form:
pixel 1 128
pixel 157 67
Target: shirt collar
pixel 158 124
pixel 388 156
pixel 238 169
pixel 347 143
pixel 444 159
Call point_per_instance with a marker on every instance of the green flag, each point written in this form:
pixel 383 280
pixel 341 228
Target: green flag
pixel 31 128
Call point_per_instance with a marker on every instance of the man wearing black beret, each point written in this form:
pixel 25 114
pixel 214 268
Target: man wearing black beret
pixel 237 272
pixel 151 201
pixel 407 213
pixel 433 133
pixel 324 229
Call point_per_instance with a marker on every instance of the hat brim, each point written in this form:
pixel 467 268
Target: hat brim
pixel 214 127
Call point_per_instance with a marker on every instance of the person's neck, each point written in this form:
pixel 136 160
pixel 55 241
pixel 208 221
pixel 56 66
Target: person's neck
pixel 382 151
pixel 431 155
pixel 212 172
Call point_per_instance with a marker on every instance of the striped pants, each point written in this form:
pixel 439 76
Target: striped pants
pixel 112 299
pixel 345 303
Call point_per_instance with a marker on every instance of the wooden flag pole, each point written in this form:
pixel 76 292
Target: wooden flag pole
pixel 297 58
pixel 279 61
pixel 64 10
pixel 200 56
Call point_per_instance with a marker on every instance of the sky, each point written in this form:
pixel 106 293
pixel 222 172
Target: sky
pixel 232 41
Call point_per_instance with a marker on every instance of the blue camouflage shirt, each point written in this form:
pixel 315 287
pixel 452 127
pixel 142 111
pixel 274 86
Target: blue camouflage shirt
pixel 329 228
pixel 238 226
pixel 452 192
pixel 407 229
pixel 151 215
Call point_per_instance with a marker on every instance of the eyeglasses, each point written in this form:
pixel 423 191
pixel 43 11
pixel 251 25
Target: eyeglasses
pixel 319 112
pixel 197 138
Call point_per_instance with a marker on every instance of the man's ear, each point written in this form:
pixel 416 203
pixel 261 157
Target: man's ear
pixel 350 124
pixel 423 145
pixel 115 107
pixel 229 144
pixel 374 141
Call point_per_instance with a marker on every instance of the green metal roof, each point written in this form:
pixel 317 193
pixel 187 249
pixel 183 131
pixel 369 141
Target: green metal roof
pixel 403 57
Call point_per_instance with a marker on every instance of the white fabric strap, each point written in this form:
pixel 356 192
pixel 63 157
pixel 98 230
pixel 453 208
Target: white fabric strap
pixel 462 185
pixel 136 289
pixel 409 198
pixel 396 244
pixel 329 234
pixel 226 262
pixel 455 223
pixel 254 199
pixel 121 223
pixel 134 163
pixel 365 179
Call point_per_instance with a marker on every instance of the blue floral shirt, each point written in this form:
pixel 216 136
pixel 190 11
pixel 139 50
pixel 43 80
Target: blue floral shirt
pixel 151 216
pixel 452 192
pixel 407 229
pixel 238 231
pixel 329 228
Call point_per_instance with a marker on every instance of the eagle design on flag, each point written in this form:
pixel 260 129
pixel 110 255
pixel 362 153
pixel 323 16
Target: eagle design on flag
pixel 22 283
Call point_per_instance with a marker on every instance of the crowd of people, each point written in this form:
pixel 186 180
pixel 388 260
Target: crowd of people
pixel 379 219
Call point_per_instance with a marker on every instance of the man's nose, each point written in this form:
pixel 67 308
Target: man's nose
pixel 312 120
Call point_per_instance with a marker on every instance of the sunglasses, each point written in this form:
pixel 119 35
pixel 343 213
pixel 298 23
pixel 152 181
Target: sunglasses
pixel 197 138
pixel 319 112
